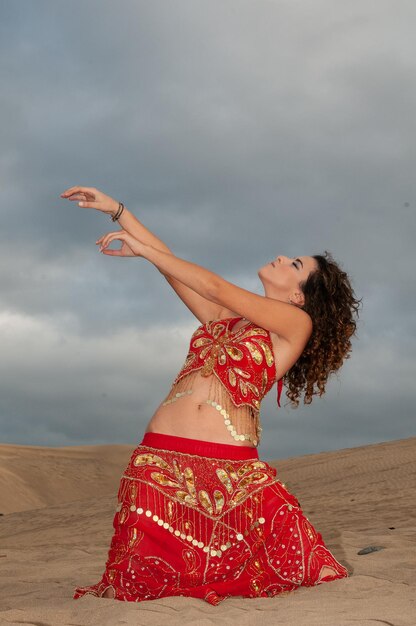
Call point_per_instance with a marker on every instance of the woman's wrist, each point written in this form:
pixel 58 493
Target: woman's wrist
pixel 116 216
pixel 124 212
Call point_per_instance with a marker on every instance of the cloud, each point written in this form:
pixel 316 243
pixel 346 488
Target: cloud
pixel 235 131
pixel 81 387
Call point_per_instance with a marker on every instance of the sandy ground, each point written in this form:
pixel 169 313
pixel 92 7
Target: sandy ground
pixel 58 506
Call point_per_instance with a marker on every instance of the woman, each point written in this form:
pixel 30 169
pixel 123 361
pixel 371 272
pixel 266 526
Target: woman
pixel 199 514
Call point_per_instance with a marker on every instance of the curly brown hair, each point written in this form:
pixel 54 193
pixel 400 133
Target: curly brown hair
pixel 330 301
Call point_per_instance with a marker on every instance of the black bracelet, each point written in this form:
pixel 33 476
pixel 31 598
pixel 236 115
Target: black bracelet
pixel 119 212
pixel 122 209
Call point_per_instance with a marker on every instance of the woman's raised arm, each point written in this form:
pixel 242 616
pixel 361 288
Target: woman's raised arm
pixel 90 197
pixel 204 310
pixel 286 320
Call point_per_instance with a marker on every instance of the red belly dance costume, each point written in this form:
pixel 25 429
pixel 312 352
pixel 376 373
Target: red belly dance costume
pixel 211 520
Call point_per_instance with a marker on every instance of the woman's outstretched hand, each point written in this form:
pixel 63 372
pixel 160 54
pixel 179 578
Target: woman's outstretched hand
pixel 91 198
pixel 129 245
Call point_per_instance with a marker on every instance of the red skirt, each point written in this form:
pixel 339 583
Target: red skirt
pixel 208 520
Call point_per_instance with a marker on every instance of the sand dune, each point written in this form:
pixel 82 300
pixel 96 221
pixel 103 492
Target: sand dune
pixel 32 477
pixel 58 506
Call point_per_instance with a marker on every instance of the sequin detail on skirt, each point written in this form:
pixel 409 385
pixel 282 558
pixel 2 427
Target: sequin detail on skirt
pixel 209 527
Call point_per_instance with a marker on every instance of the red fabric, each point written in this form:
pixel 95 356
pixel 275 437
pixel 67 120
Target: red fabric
pixel 243 361
pixel 210 521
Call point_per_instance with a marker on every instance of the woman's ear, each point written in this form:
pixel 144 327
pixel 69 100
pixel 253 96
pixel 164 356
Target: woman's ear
pixel 297 298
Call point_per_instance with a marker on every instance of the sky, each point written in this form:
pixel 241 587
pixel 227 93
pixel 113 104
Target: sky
pixel 235 131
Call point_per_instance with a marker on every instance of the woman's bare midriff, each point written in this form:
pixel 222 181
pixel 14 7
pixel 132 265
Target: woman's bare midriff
pixel 191 417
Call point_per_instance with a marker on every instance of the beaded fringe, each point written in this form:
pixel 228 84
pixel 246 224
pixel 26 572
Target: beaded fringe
pixel 243 422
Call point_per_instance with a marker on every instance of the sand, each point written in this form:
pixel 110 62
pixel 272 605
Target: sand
pixel 58 506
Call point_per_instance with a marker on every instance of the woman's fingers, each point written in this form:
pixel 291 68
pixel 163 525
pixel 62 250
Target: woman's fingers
pixel 84 200
pixel 71 190
pixel 111 252
pixel 104 240
pixel 127 248
pixel 77 196
pixel 91 198
pixel 91 191
pixel 109 237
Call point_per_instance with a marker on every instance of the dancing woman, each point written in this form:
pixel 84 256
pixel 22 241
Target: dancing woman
pixel 198 513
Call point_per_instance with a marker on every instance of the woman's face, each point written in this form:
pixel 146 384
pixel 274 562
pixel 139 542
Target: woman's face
pixel 281 277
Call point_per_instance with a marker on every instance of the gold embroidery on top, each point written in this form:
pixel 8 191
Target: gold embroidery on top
pixel 267 352
pixel 241 372
pixel 232 377
pixel 201 342
pixel 217 328
pixel 254 351
pixel 253 388
pixel 252 332
pixel 263 381
pixel 204 352
pixel 234 353
pixel 243 388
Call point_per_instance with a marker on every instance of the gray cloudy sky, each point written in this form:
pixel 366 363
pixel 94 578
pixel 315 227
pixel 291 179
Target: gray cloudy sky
pixel 236 131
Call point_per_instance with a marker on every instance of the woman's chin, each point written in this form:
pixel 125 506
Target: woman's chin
pixel 264 272
pixel 263 279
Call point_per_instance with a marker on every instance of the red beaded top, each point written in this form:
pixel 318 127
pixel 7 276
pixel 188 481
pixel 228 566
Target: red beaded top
pixel 243 361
